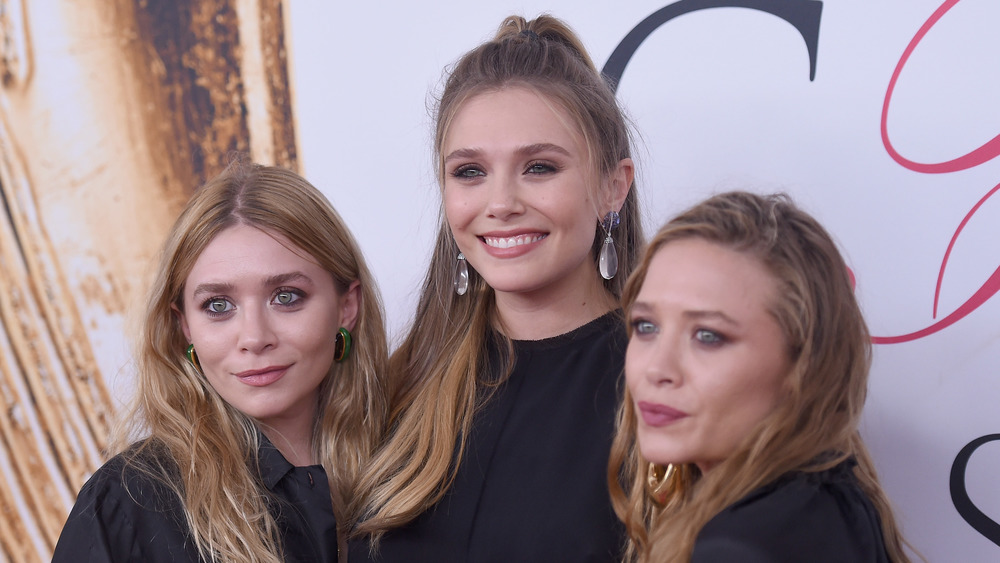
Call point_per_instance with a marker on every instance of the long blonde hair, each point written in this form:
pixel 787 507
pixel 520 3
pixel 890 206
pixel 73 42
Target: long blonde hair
pixel 201 447
pixel 434 371
pixel 815 428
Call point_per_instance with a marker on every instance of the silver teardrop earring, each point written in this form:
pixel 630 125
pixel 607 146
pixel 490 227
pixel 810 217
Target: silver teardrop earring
pixel 608 263
pixel 461 275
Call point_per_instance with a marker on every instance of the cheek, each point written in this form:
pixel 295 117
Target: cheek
pixel 211 345
pixel 755 401
pixel 458 208
pixel 632 362
pixel 582 216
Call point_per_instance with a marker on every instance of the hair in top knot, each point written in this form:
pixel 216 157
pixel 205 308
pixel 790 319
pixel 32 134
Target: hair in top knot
pixel 542 29
pixel 437 364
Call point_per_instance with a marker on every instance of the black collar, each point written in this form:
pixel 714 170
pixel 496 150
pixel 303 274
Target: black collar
pixel 273 466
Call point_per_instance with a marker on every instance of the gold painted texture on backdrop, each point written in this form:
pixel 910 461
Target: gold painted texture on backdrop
pixel 111 113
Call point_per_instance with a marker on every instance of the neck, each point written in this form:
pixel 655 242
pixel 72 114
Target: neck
pixel 294 441
pixel 557 310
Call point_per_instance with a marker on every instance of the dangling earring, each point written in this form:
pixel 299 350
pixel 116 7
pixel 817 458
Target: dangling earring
pixel 662 482
pixel 461 275
pixel 192 357
pixel 608 263
pixel 341 344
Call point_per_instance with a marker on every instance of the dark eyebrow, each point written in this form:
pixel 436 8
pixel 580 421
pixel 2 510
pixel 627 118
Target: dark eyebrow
pixel 541 147
pixel 223 288
pixel 212 288
pixel 282 279
pixel 527 150
pixel 463 153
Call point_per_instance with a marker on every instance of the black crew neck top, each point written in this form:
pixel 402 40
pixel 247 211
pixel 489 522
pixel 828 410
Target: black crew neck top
pixel 532 484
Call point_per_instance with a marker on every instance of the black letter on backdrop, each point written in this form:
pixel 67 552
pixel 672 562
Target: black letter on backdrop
pixel 960 496
pixel 803 14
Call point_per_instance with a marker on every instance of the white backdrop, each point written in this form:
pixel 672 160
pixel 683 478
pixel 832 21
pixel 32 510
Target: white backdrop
pixel 721 99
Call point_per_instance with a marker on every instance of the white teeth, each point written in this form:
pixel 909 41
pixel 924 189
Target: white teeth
pixel 508 242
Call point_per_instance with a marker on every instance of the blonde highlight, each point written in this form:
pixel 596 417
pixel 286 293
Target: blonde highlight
pixel 815 428
pixel 438 370
pixel 211 446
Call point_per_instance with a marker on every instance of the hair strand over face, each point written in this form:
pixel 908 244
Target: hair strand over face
pixel 435 369
pixel 214 445
pixel 815 428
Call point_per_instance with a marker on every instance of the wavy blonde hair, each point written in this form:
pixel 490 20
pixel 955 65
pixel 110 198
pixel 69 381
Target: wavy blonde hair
pixel 201 447
pixel 434 371
pixel 814 429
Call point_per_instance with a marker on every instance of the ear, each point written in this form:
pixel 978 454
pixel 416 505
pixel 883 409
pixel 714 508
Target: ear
pixel 619 183
pixel 184 325
pixel 350 303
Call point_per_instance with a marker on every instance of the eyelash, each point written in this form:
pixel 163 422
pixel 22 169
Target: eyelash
pixel 643 327
pixel 717 338
pixel 297 293
pixel 637 323
pixel 460 172
pixel 206 306
pixel 548 167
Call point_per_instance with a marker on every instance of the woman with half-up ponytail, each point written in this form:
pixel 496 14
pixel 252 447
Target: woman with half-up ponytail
pixel 504 389
pixel 747 370
pixel 259 392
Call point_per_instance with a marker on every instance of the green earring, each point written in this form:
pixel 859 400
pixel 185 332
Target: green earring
pixel 192 357
pixel 341 345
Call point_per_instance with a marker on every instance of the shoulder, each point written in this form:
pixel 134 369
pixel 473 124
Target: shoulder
pixel 822 516
pixel 132 478
pixel 122 511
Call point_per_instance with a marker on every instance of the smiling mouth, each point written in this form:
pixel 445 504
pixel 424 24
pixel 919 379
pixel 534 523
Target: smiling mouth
pixel 511 242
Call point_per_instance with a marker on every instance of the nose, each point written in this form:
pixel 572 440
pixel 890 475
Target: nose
pixel 663 365
pixel 504 197
pixel 256 331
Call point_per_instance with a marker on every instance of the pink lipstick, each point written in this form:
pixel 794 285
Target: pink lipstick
pixel 262 377
pixel 657 415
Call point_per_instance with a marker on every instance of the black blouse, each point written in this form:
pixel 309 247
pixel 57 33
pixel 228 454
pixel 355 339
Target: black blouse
pixel 532 485
pixel 821 517
pixel 123 514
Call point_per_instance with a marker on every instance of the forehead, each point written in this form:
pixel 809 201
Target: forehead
pixel 243 250
pixel 695 273
pixel 512 114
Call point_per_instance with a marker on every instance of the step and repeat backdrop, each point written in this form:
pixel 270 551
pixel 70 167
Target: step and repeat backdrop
pixel 881 118
pixel 878 117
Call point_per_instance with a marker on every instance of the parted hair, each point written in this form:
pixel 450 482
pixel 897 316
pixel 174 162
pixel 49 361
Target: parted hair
pixel 814 428
pixel 435 369
pixel 201 447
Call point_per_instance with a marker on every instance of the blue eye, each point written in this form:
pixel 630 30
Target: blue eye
pixel 468 171
pixel 540 168
pixel 706 336
pixel 643 327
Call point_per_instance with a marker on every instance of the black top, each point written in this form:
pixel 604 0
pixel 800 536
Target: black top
pixel 123 514
pixel 532 485
pixel 821 517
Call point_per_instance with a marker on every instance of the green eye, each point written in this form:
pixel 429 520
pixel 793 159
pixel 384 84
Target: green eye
pixel 218 306
pixel 287 297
